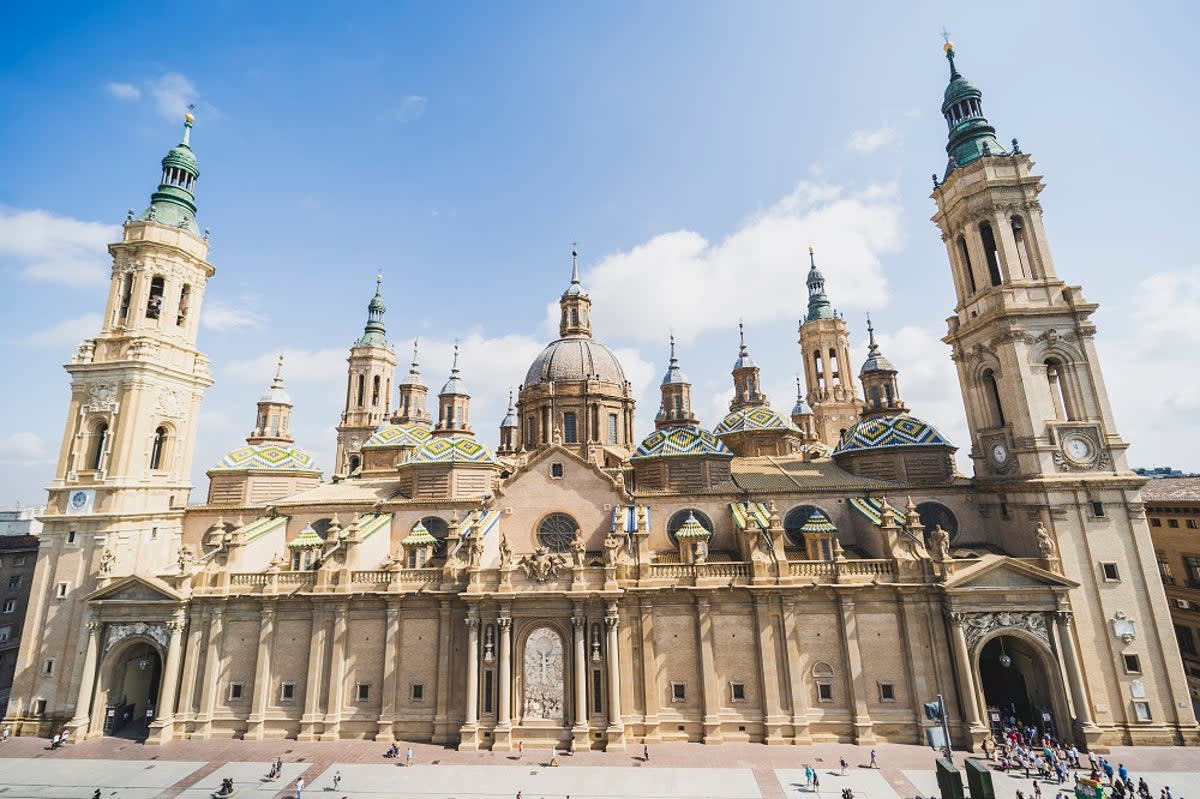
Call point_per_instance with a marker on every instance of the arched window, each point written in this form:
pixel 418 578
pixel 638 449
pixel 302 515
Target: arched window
pixel 833 365
pixel 820 371
pixel 155 300
pixel 126 297
pixel 570 428
pixel 1018 231
pixel 1060 396
pixel 966 261
pixel 992 398
pixel 185 296
pixel 990 252
pixel 355 462
pixel 557 531
pixel 679 517
pixel 439 528
pixel 795 520
pixel 321 526
pixel 99 444
pixel 375 391
pixel 158 448
pixel 530 430
pixel 935 513
pixel 362 388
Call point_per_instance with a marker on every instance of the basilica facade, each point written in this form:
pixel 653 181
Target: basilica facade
pixel 786 579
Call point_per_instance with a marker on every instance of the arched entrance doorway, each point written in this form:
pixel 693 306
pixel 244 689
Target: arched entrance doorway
pixel 131 681
pixel 1019 687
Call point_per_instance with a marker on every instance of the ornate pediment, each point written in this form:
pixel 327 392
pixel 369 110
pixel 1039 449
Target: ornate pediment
pixel 999 572
pixel 136 588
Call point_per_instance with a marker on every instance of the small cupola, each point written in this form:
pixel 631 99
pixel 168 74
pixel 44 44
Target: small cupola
pixel 576 306
pixel 676 406
pixel 174 202
pixel 878 376
pixel 453 404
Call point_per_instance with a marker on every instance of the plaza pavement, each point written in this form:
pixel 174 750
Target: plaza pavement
pixel 125 769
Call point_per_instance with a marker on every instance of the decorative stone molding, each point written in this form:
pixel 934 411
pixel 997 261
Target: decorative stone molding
pixel 542 564
pixel 170 404
pixel 101 397
pixel 543 672
pixel 1124 627
pixel 977 626
pixel 119 632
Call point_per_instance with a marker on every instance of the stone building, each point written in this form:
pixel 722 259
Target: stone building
pixel 1173 508
pixel 777 579
pixel 18 557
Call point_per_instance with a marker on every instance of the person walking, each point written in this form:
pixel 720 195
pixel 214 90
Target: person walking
pixel 816 781
pixel 408 757
pixel 96 794
pixel 645 753
pixel 842 762
pixel 874 761
pixel 337 779
pixel 300 788
pixel 4 734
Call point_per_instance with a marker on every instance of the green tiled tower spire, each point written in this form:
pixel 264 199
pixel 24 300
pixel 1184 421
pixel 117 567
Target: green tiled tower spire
pixel 971 136
pixel 818 302
pixel 174 203
pixel 374 334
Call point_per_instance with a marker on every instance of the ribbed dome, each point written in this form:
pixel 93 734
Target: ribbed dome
pixel 885 432
pixel 575 358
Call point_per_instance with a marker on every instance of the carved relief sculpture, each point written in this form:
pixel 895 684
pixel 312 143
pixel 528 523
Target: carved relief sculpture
pixel 544 676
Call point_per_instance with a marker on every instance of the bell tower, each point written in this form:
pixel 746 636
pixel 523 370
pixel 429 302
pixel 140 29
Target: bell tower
pixel 368 386
pixel 1050 471
pixel 825 348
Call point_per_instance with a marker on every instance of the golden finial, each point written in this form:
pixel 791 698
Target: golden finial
pixel 949 45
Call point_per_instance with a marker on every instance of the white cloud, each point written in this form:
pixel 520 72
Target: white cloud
pixel 123 91
pixel 173 93
pixel 299 366
pixel 866 142
pixel 221 316
pixel 56 249
pixel 411 108
pixel 21 446
pixel 67 333
pixel 683 282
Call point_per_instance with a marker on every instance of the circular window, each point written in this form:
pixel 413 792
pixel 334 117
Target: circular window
pixel 679 517
pixel 935 513
pixel 795 520
pixel 557 531
pixel 439 529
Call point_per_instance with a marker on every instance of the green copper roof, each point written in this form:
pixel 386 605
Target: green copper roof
pixel 692 529
pixel 308 539
pixel 174 202
pixel 971 136
pixel 374 334
pixel 819 306
pixel 419 537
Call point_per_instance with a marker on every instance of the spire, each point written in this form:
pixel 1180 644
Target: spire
pixel 455 384
pixel 676 406
pixel 576 307
pixel 971 136
pixel 878 376
pixel 744 361
pixel 510 418
pixel 746 389
pixel 799 408
pixel 674 373
pixel 274 412
pixel 414 371
pixel 174 202
pixel 411 407
pixel 374 334
pixel 819 306
pixel 453 403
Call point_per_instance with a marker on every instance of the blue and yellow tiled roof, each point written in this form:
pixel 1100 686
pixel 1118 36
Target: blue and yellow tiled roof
pixel 452 449
pixel 398 435
pixel 272 457
pixel 818 522
pixel 885 432
pixel 682 440
pixel 754 418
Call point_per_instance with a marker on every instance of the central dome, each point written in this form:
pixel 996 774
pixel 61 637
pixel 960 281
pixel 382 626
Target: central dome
pixel 575 358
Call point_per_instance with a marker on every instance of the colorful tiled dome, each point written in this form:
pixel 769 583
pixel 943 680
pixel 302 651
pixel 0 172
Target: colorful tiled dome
pixel 398 435
pixel 682 440
pixel 693 529
pixel 272 457
pixel 884 432
pixel 452 449
pixel 816 449
pixel 755 418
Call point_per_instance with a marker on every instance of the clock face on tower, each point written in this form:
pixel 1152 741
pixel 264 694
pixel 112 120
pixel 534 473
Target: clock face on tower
pixel 1000 454
pixel 1078 449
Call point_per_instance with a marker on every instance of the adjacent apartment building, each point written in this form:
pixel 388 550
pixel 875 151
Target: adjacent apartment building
pixel 1173 508
pixel 18 555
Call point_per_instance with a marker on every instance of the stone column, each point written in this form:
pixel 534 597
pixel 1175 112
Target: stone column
pixel 337 674
pixel 796 671
pixel 1083 710
pixel 191 666
pixel 769 669
pixel 708 673
pixel 470 726
pixel 441 718
pixel 966 678
pixel 87 683
pixel 391 639
pixel 857 680
pixel 580 729
pixel 212 672
pixel 262 673
pixel 651 690
pixel 316 669
pixel 162 729
pixel 503 734
pixel 616 727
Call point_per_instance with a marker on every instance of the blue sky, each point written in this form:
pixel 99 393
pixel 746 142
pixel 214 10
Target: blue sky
pixel 693 151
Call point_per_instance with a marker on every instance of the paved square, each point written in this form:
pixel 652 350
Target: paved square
pixel 249 778
pixel 52 777
pixel 536 782
pixel 866 783
pixel 1183 784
